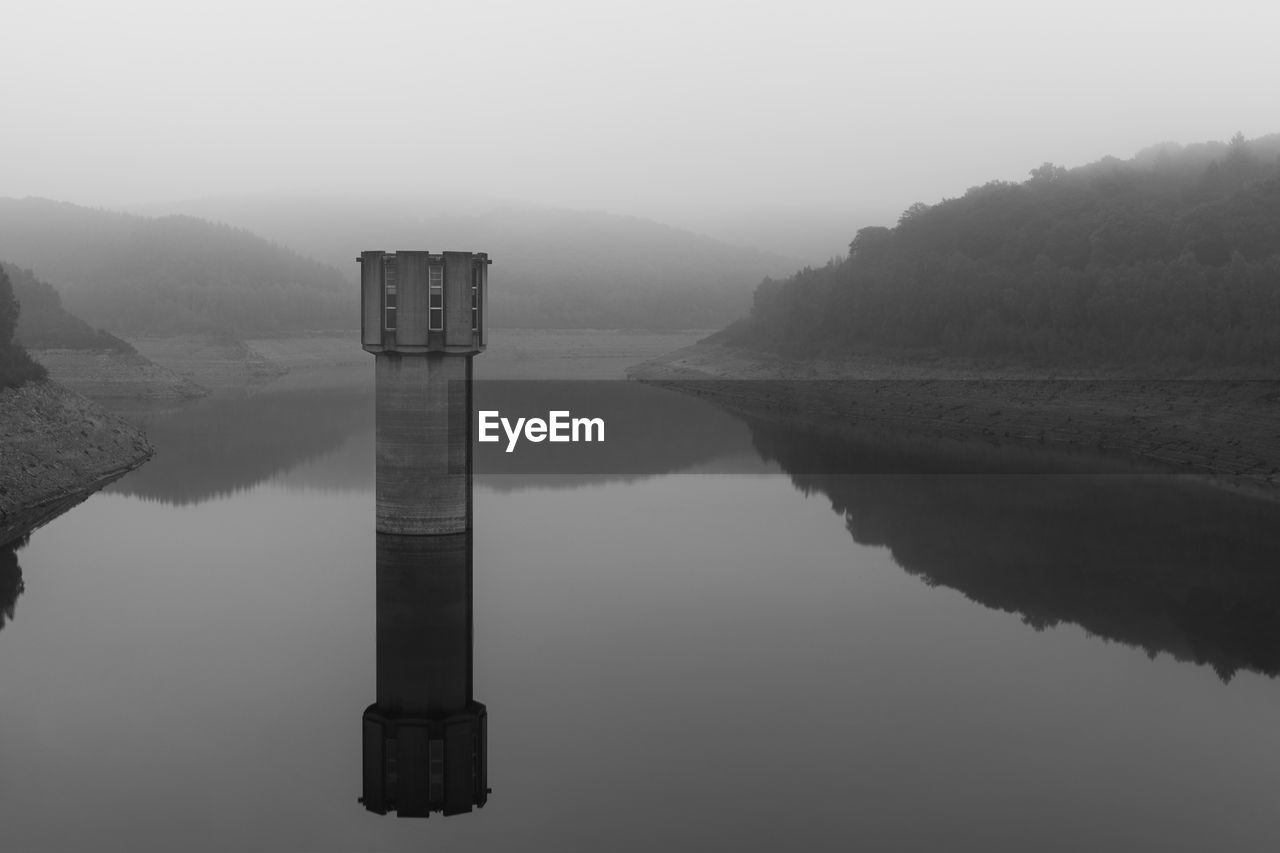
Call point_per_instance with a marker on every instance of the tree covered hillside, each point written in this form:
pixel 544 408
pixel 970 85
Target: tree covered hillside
pixel 140 275
pixel 1171 257
pixel 44 324
pixel 16 367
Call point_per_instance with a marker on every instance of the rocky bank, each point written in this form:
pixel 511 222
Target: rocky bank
pixel 57 448
pixel 1220 429
pixel 108 375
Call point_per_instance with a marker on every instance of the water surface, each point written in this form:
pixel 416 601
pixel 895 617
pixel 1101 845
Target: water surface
pixel 671 660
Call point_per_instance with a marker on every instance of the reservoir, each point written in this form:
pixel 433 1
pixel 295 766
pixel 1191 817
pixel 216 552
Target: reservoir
pixel 729 644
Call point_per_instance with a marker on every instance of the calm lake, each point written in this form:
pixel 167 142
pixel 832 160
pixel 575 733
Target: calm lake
pixel 729 645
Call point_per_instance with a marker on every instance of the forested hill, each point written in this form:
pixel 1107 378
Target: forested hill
pixel 43 322
pixel 16 366
pixel 1172 257
pixel 142 275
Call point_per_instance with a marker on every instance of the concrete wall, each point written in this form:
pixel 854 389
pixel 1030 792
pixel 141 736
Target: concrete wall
pixel 484 306
pixel 411 327
pixel 371 299
pixel 457 299
pixel 412 334
pixel 423 443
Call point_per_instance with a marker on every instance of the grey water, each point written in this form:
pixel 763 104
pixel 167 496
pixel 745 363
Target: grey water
pixel 724 648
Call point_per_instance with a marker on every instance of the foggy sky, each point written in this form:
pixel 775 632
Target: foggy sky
pixel 662 109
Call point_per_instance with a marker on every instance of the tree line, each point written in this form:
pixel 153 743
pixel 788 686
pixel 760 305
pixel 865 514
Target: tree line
pixel 1172 257
pixel 43 322
pixel 136 275
pixel 16 366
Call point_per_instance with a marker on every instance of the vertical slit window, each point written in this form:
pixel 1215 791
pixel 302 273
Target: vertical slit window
pixel 389 294
pixel 475 299
pixel 435 299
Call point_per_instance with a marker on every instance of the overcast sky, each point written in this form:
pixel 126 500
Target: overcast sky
pixel 649 108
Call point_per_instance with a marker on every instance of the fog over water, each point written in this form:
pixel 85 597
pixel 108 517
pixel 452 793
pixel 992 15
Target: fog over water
pixel 702 114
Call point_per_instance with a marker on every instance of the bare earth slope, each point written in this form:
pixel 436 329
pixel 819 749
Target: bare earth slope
pixel 103 374
pixel 57 448
pixel 1216 428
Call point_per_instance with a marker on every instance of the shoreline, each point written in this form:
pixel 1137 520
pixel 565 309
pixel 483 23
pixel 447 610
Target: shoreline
pixel 56 449
pixel 1218 431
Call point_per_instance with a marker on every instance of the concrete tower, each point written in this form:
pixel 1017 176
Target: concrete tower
pixel 423 316
pixel 424 739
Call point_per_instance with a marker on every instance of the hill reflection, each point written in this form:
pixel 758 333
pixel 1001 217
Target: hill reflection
pixel 217 447
pixel 11 585
pixel 325 439
pixel 1148 560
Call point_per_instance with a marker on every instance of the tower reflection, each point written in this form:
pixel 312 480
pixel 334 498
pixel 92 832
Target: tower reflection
pixel 425 736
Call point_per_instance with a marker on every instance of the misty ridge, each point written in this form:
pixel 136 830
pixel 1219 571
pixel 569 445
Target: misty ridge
pixel 1168 259
pixel 178 274
pixel 553 268
pixel 44 323
pixel 171 275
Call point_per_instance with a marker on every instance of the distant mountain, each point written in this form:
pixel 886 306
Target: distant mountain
pixel 811 234
pixel 1171 258
pixel 141 275
pixel 44 324
pixel 552 268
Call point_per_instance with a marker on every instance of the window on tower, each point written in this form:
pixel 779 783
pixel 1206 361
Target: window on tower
pixel 389 294
pixel 475 299
pixel 435 299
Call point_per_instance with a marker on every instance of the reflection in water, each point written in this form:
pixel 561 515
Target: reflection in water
pixel 156 646
pixel 322 438
pixel 1157 563
pixel 11 585
pixel 216 447
pixel 425 737
pixel 649 431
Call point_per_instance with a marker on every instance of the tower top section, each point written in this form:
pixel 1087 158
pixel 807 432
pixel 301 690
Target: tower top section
pixel 415 302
